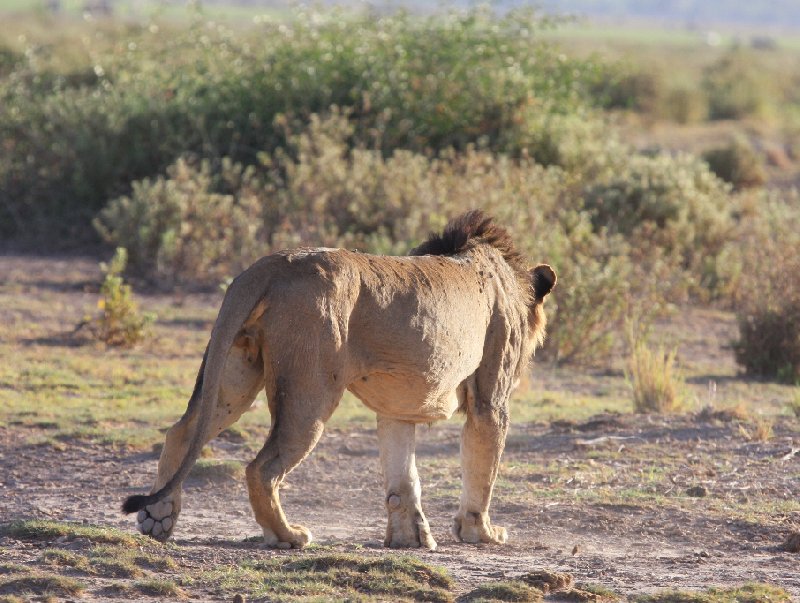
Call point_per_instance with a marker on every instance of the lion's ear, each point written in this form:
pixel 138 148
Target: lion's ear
pixel 544 279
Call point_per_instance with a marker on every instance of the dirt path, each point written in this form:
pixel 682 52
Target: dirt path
pixel 630 547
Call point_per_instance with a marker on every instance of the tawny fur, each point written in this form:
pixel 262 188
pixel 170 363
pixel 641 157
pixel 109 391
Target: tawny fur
pixel 415 338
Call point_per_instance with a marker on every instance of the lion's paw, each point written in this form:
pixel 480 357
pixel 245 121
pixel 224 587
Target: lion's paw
pixel 473 528
pixel 157 520
pixel 299 537
pixel 407 527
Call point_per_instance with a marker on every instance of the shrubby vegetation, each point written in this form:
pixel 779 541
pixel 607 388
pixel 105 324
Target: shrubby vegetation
pixel 148 96
pixel 737 163
pixel 319 190
pixel 767 292
pixel 120 322
pixel 201 148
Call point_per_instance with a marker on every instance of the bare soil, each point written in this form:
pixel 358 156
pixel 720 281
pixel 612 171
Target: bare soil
pixel 635 503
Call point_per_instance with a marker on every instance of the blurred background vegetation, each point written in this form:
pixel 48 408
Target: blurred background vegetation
pixel 653 163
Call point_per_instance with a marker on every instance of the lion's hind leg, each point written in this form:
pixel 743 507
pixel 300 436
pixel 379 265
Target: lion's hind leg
pixel 407 526
pixel 242 379
pixel 299 416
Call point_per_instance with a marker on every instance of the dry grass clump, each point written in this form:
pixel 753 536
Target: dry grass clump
pixel 651 376
pixel 335 576
pixel 217 471
pixel 794 403
pixel 760 431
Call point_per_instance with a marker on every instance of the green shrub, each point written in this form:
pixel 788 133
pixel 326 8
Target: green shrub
pixel 154 95
pixel 320 191
pixel 737 163
pixel 628 87
pixel 737 86
pixel 120 322
pixel 684 104
pixel 767 292
pixel 195 225
pixel 672 211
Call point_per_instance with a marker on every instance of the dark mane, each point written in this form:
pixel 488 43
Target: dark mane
pixel 469 229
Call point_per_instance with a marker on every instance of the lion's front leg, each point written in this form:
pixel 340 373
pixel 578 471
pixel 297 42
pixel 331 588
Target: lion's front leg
pixel 407 526
pixel 482 442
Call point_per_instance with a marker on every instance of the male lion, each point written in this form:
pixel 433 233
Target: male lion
pixel 450 327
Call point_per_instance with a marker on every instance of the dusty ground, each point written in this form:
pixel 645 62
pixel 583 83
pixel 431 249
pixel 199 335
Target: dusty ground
pixel 643 502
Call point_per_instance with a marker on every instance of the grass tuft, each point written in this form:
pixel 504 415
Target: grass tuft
pixel 652 380
pixel 504 590
pixel 154 587
pixel 747 593
pixel 41 584
pixel 67 559
pixel 336 576
pixel 38 529
pixel 217 471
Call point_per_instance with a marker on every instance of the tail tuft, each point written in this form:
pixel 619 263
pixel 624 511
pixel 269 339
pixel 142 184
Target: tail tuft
pixel 135 503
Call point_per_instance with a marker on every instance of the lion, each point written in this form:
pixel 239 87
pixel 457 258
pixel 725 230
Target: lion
pixel 450 327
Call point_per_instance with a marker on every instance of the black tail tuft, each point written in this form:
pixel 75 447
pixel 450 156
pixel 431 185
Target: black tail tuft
pixel 135 503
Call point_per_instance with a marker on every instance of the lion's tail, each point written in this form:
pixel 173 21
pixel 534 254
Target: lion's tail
pixel 244 295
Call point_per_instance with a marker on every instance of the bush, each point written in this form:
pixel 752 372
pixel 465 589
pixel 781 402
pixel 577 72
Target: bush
pixel 194 226
pixel 685 105
pixel 120 323
pixel 768 293
pixel 737 163
pixel 673 212
pixel 736 86
pixel 152 96
pixel 186 227
pixel 627 87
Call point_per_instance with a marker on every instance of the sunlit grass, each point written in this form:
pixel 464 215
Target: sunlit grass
pixel 335 576
pixel 37 530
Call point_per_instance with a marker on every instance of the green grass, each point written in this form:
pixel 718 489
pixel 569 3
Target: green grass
pixel 504 590
pixel 56 393
pixel 158 587
pixel 212 470
pixel 37 530
pixel 335 576
pixel 40 584
pixel 747 593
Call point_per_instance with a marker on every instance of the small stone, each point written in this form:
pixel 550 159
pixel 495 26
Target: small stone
pixel 792 544
pixel 166 523
pixel 141 516
pixel 697 491
pixel 147 525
